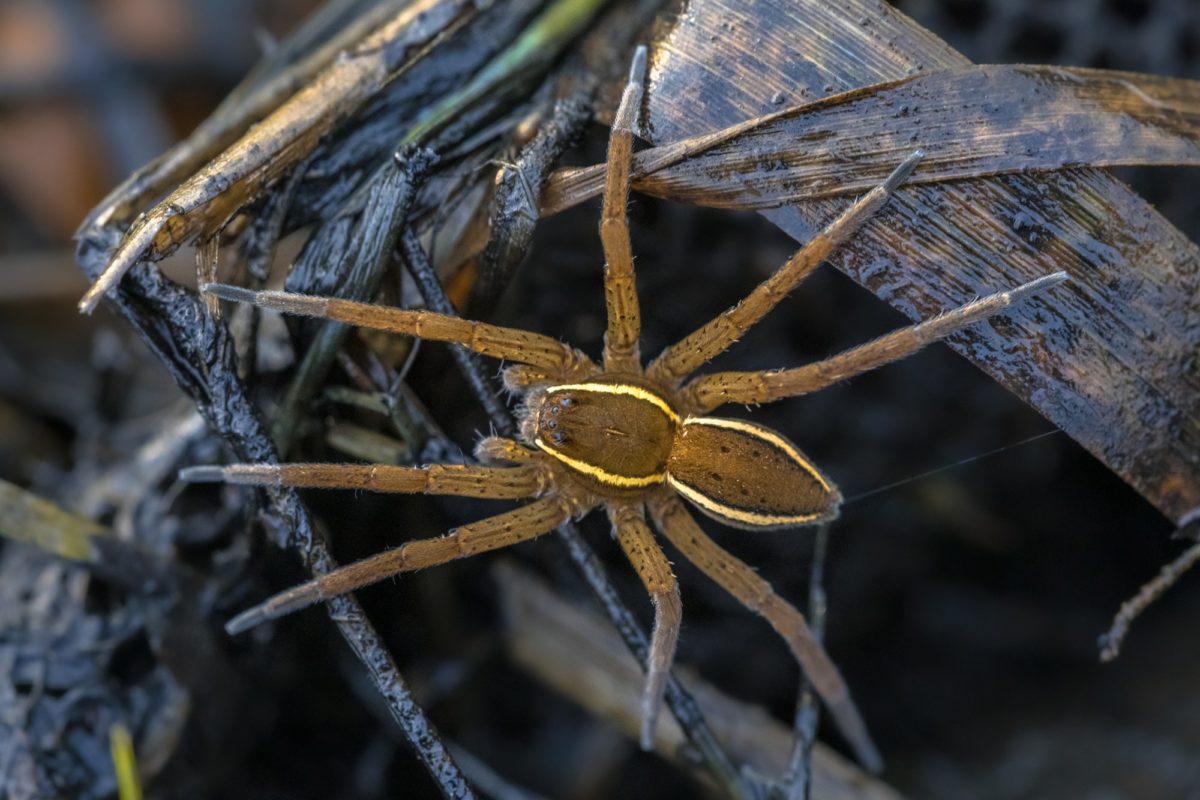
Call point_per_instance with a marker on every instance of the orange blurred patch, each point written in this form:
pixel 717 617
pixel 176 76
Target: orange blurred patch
pixel 31 41
pixel 147 28
pixel 49 164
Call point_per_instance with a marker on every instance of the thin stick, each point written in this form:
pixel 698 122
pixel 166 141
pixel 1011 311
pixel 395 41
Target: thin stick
pixel 199 355
pixel 798 781
pixel 392 191
pixel 470 364
pixel 1131 609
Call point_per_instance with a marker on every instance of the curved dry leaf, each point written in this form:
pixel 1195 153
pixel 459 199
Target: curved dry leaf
pixel 204 202
pixel 267 86
pixel 1112 360
pixel 970 121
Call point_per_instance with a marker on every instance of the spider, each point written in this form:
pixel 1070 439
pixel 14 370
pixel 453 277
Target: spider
pixel 631 439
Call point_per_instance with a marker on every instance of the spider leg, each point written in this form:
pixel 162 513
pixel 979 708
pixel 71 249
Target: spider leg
pixel 499 483
pixel 524 347
pixel 710 391
pixel 681 529
pixel 620 291
pixel 716 336
pixel 654 569
pixel 527 522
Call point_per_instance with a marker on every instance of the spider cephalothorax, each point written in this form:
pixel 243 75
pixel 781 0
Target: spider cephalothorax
pixel 626 437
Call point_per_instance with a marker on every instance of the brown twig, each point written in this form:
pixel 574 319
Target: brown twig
pixel 797 782
pixel 199 354
pixel 1131 609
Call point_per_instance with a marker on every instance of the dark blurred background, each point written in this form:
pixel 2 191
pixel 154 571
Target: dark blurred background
pixel 964 607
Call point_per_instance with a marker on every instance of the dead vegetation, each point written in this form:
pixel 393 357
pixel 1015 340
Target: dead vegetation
pixel 481 100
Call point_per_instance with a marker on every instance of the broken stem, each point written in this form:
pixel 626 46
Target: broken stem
pixel 1131 609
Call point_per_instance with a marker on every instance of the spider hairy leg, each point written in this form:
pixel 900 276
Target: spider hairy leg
pixel 525 347
pixel 620 292
pixel 497 483
pixel 493 533
pixel 749 589
pixel 716 336
pixel 654 569
pixel 711 391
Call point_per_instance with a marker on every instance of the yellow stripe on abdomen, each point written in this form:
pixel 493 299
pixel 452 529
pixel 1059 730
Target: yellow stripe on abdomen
pixel 748 475
pixel 750 519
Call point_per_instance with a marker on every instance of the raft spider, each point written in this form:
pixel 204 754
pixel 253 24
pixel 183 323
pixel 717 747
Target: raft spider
pixel 628 438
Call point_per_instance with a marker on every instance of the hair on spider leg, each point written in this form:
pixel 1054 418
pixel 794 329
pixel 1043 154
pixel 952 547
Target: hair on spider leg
pixel 631 439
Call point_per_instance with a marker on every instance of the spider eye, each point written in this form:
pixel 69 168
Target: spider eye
pixel 552 424
pixel 566 402
pixel 557 437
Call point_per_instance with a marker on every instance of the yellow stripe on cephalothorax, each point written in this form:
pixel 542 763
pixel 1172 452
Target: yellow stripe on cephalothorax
pixel 603 475
pixel 625 389
pixel 752 518
pixel 766 435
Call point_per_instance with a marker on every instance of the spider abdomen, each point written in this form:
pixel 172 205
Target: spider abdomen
pixel 748 475
pixel 614 434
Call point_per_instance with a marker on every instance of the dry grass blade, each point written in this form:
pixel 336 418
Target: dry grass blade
pixel 265 88
pixel 580 656
pixel 202 204
pixel 1168 576
pixel 1111 362
pixel 970 122
pixel 25 517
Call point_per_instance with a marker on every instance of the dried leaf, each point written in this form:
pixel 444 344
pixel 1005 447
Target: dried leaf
pixel 25 517
pixel 1112 362
pixel 581 656
pixel 203 203
pixel 970 122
